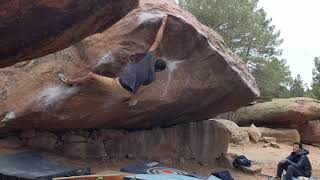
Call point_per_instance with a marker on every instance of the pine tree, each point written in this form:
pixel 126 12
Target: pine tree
pixel 297 87
pixel 316 78
pixel 244 27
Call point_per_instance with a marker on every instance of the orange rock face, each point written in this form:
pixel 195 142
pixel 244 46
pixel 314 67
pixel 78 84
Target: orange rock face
pixel 278 113
pixel 33 28
pixel 203 78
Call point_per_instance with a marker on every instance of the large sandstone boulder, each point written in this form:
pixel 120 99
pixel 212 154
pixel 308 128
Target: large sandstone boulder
pixel 286 113
pixel 33 28
pixel 238 135
pixel 203 78
pixel 203 141
pixel 282 135
pixel 310 132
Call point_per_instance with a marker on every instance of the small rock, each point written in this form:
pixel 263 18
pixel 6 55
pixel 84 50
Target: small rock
pixel 269 139
pixel 275 145
pixel 254 169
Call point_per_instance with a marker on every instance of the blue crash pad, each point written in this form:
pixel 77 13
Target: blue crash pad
pixel 164 177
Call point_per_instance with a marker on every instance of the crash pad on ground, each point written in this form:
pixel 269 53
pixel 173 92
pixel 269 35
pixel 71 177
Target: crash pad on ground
pixel 155 168
pixel 164 177
pixel 29 165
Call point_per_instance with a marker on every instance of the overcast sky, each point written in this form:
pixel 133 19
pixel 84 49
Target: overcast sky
pixel 298 21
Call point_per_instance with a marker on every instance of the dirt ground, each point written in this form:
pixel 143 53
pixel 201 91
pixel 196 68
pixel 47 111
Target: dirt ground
pixel 267 158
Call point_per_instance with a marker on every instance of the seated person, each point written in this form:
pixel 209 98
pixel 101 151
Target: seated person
pixel 139 72
pixel 297 164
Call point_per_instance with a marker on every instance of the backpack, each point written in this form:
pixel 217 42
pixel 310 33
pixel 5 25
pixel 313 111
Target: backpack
pixel 241 161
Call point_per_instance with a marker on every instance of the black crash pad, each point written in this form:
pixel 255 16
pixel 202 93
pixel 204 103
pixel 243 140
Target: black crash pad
pixel 29 166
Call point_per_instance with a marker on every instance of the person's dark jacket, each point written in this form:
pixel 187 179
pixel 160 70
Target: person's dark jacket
pixel 300 161
pixel 139 71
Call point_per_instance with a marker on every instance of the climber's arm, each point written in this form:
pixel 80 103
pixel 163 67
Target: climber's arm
pixel 158 39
